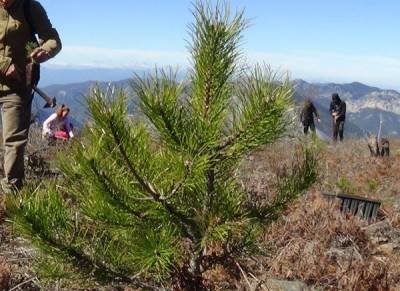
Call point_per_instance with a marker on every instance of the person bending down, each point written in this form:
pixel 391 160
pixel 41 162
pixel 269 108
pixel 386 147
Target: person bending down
pixel 58 125
pixel 307 116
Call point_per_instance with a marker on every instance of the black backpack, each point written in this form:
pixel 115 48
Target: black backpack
pixel 33 69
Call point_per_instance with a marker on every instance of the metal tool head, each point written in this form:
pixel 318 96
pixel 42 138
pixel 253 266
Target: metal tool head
pixel 52 104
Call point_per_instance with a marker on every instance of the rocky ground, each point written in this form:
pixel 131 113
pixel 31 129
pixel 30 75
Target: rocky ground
pixel 313 247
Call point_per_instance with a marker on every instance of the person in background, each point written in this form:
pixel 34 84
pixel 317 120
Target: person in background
pixel 338 113
pixel 385 147
pixel 16 32
pixel 307 116
pixel 58 125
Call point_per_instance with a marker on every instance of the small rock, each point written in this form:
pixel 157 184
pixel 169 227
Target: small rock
pixel 388 248
pixel 378 229
pixel 280 285
pixel 343 256
pixel 382 233
pixel 379 240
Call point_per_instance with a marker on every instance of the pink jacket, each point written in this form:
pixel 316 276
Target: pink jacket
pixel 53 124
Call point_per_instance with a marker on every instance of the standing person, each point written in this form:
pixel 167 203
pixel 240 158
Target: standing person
pixel 338 113
pixel 307 116
pixel 58 125
pixel 20 21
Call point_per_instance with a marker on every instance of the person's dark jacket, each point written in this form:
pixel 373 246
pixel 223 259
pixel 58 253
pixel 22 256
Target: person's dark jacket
pixel 338 106
pixel 308 112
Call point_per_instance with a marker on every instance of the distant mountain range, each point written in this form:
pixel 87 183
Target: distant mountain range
pixel 65 76
pixel 366 105
pixel 73 95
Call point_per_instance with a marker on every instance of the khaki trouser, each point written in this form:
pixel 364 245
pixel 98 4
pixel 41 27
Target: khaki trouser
pixel 16 114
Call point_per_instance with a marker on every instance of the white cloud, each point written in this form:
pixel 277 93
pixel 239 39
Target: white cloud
pixel 92 57
pixel 373 70
pixel 314 66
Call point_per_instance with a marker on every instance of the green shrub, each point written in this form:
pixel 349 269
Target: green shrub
pixel 372 186
pixel 345 186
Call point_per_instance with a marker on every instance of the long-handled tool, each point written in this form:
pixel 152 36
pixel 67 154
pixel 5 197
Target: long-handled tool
pixel 51 102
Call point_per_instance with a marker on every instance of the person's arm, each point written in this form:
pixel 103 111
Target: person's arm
pixel 51 44
pixel 331 108
pixel 68 127
pixel 5 63
pixel 317 115
pixel 333 111
pixel 314 111
pixel 342 111
pixel 301 115
pixel 47 124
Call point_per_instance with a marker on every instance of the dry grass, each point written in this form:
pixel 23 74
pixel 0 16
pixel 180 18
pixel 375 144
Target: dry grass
pixel 346 167
pixel 4 269
pixel 314 242
pixel 349 167
pixel 318 245
pixel 4 275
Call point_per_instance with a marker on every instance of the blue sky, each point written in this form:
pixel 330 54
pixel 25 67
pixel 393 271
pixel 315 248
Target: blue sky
pixel 342 40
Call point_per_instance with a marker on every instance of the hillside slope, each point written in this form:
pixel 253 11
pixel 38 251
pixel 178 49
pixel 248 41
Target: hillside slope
pixel 312 242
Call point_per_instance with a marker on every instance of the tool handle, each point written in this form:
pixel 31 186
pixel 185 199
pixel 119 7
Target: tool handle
pixel 50 101
pixel 42 94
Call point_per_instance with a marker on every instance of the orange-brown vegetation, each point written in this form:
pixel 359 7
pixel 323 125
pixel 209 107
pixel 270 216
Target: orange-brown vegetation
pixel 314 242
pixel 318 245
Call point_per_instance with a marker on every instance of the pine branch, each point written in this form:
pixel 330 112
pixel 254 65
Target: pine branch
pixel 189 226
pixel 33 223
pixel 162 101
pixel 303 175
pixel 215 42
pixel 111 187
pixel 169 127
pixel 264 103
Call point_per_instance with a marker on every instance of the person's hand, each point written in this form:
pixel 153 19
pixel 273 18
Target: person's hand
pixel 13 73
pixel 319 120
pixel 39 55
